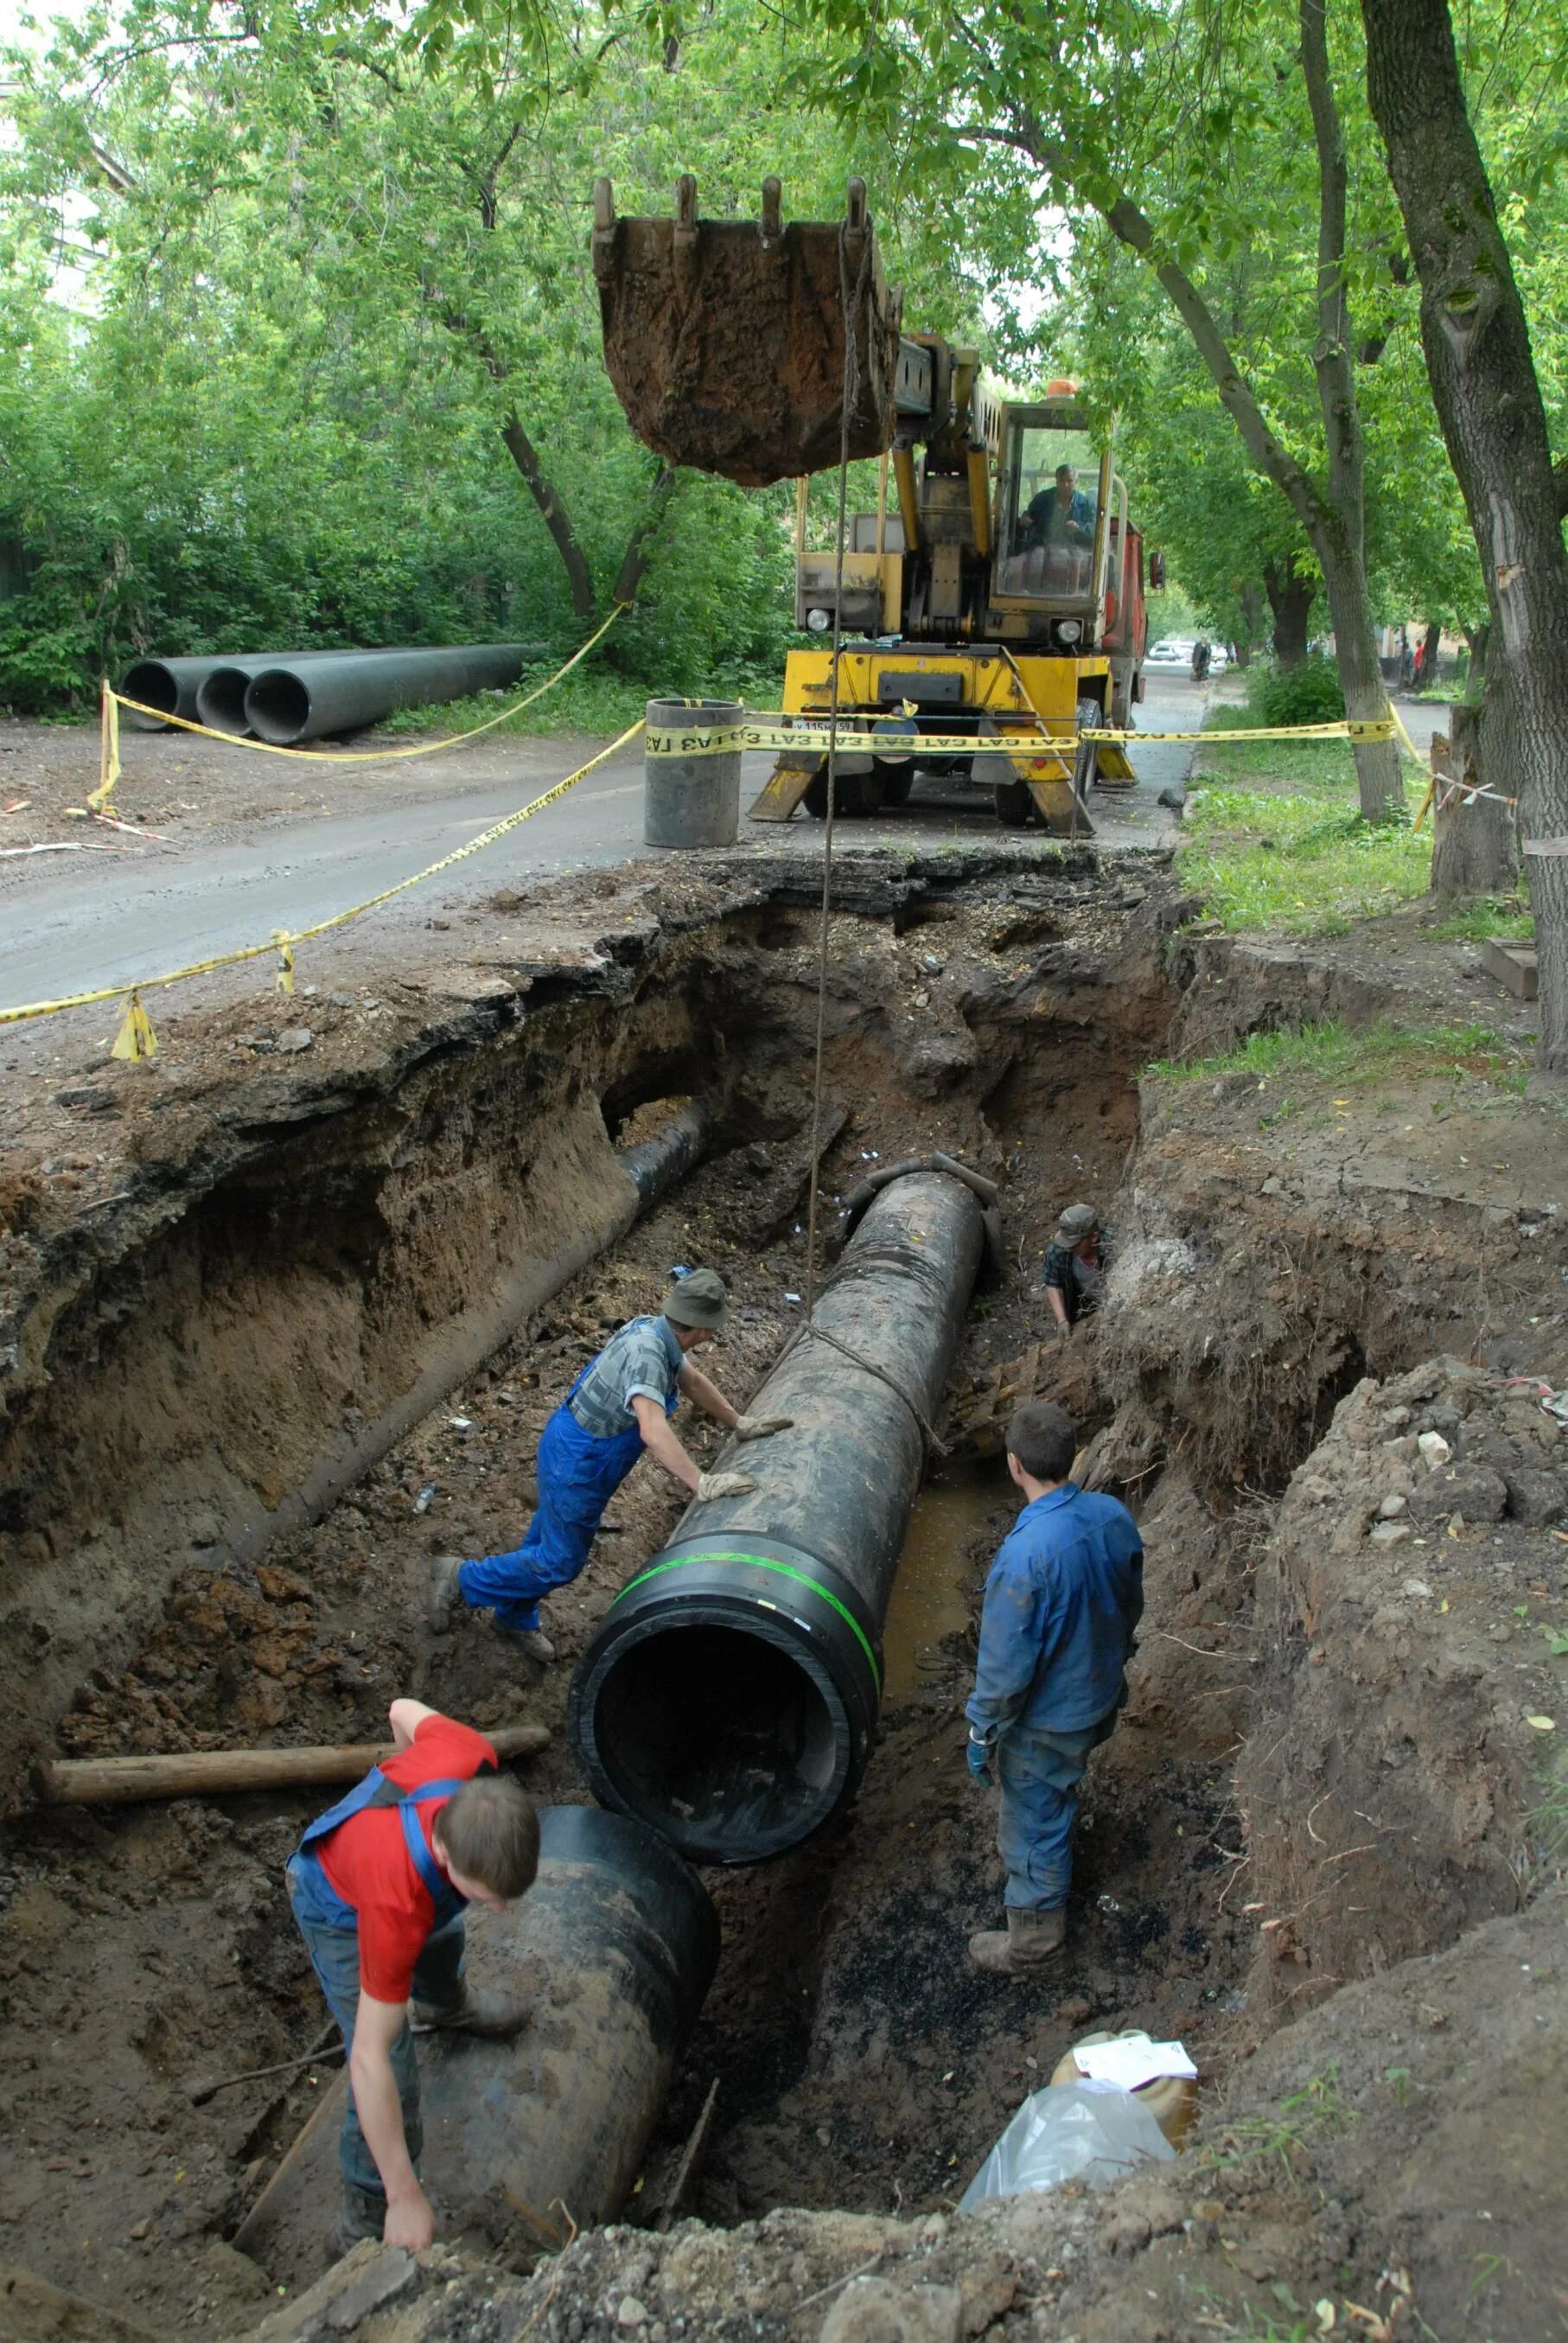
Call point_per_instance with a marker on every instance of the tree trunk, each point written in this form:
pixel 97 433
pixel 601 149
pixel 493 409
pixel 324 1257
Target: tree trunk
pixel 1474 841
pixel 1431 648
pixel 639 544
pixel 557 519
pixel 1379 781
pixel 1493 424
pixel 1250 632
pixel 1477 640
pixel 1290 599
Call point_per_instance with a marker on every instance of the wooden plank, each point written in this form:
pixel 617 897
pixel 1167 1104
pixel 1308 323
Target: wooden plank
pixel 1512 964
pixel 209 1772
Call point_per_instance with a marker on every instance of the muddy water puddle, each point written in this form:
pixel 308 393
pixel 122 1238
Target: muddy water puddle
pixel 953 1531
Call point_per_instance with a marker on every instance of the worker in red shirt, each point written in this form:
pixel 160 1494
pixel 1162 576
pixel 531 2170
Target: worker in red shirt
pixel 378 1887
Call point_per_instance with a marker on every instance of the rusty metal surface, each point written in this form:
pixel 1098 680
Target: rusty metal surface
pixel 725 338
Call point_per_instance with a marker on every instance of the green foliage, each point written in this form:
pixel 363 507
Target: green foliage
pixel 1309 694
pixel 1484 916
pixel 1295 865
pixel 1331 1051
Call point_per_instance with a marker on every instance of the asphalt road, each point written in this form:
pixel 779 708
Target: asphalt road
pixel 76 924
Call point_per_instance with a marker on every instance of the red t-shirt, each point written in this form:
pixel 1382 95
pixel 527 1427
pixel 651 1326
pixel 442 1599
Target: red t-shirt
pixel 368 1860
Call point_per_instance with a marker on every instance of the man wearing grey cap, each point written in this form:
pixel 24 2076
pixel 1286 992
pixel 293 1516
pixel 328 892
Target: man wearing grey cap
pixel 1074 1262
pixel 620 1405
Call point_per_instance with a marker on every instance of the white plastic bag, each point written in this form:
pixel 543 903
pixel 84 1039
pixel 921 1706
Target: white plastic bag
pixel 1092 2132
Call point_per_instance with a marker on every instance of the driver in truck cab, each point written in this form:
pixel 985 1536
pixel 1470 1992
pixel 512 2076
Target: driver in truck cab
pixel 1062 515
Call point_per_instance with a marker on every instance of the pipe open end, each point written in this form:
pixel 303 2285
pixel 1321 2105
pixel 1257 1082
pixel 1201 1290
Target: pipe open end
pixel 730 1740
pixel 277 706
pixel 156 685
pixel 220 700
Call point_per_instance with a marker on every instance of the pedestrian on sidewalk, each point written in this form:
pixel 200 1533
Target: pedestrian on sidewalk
pixel 620 1405
pixel 1058 1627
pixel 378 1887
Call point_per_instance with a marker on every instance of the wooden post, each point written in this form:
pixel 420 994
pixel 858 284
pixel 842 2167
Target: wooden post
pixel 210 1773
pixel 1475 839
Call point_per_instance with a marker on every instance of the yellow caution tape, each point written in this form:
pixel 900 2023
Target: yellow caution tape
pixel 285 938
pixel 775 731
pixel 109 750
pixel 357 756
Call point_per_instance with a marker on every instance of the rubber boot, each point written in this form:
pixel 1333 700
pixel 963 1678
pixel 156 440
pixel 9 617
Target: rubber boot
pixel 363 2215
pixel 496 2017
pixel 445 1592
pixel 532 1642
pixel 1030 1939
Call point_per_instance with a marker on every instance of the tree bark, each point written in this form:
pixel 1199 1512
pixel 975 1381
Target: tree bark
pixel 639 551
pixel 1250 634
pixel 1430 647
pixel 1474 841
pixel 1291 600
pixel 555 517
pixel 1488 405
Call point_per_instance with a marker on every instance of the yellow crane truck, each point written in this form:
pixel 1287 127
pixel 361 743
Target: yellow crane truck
pixel 996 594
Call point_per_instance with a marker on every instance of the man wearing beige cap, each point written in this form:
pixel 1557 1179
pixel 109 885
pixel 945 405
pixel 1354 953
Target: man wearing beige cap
pixel 1074 1262
pixel 620 1405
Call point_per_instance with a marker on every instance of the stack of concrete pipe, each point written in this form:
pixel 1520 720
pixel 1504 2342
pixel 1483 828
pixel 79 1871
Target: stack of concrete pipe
pixel 288 698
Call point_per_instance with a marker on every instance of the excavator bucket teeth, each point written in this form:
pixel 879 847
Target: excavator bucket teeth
pixel 724 339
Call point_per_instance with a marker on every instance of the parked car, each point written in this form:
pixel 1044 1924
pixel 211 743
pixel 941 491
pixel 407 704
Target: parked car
pixel 1174 651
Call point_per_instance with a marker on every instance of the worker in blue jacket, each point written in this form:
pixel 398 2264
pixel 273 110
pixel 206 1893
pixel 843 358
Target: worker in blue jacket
pixel 619 1407
pixel 1058 1625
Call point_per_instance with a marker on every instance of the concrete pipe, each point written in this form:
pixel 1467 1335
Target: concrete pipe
pixel 730 1697
pixel 619 1941
pixel 290 703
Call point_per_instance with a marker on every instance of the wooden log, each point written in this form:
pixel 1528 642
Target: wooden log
pixel 210 1773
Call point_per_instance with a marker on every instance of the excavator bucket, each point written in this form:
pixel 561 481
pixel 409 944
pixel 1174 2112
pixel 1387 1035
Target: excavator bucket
pixel 726 339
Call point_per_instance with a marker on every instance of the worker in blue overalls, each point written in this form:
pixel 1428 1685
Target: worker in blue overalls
pixel 620 1405
pixel 379 1885
pixel 1058 1626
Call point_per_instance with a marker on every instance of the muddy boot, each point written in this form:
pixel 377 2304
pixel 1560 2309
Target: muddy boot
pixel 495 2016
pixel 364 2214
pixel 532 1642
pixel 445 1592
pixel 1032 1938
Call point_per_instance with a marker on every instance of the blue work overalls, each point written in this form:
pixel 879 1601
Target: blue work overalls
pixel 578 1472
pixel 330 1928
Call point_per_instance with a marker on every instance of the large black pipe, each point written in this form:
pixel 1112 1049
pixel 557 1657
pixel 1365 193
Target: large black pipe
pixel 654 1165
pixel 220 694
pixel 618 1942
pixel 168 685
pixel 731 1697
pixel 290 703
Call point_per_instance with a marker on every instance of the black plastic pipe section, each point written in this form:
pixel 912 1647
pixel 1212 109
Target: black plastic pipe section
pixel 220 694
pixel 618 1942
pixel 170 685
pixel 291 702
pixel 654 1165
pixel 730 1697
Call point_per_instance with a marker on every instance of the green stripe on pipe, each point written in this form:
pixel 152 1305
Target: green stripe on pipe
pixel 786 1570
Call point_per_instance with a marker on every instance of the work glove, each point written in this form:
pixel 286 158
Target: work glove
pixel 724 1484
pixel 759 1427
pixel 980 1752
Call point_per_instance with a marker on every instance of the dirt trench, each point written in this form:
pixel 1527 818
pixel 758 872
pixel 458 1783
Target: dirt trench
pixel 290 1333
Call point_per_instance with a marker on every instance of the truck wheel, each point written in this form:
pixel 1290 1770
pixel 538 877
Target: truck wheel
pixel 896 780
pixel 1086 771
pixel 1014 804
pixel 859 797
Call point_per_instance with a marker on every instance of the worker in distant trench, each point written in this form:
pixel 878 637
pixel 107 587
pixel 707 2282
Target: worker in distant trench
pixel 1058 1626
pixel 1074 1262
pixel 378 1887
pixel 620 1405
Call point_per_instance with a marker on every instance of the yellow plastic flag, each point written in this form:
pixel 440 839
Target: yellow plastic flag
pixel 135 1037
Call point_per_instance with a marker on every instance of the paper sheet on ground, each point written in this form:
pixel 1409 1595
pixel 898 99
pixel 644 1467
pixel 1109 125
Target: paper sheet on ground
pixel 1133 2061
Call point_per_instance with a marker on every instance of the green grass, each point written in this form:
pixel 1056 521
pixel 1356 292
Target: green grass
pixel 1275 842
pixel 1487 915
pixel 1333 1052
pixel 590 699
pixel 1315 2112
